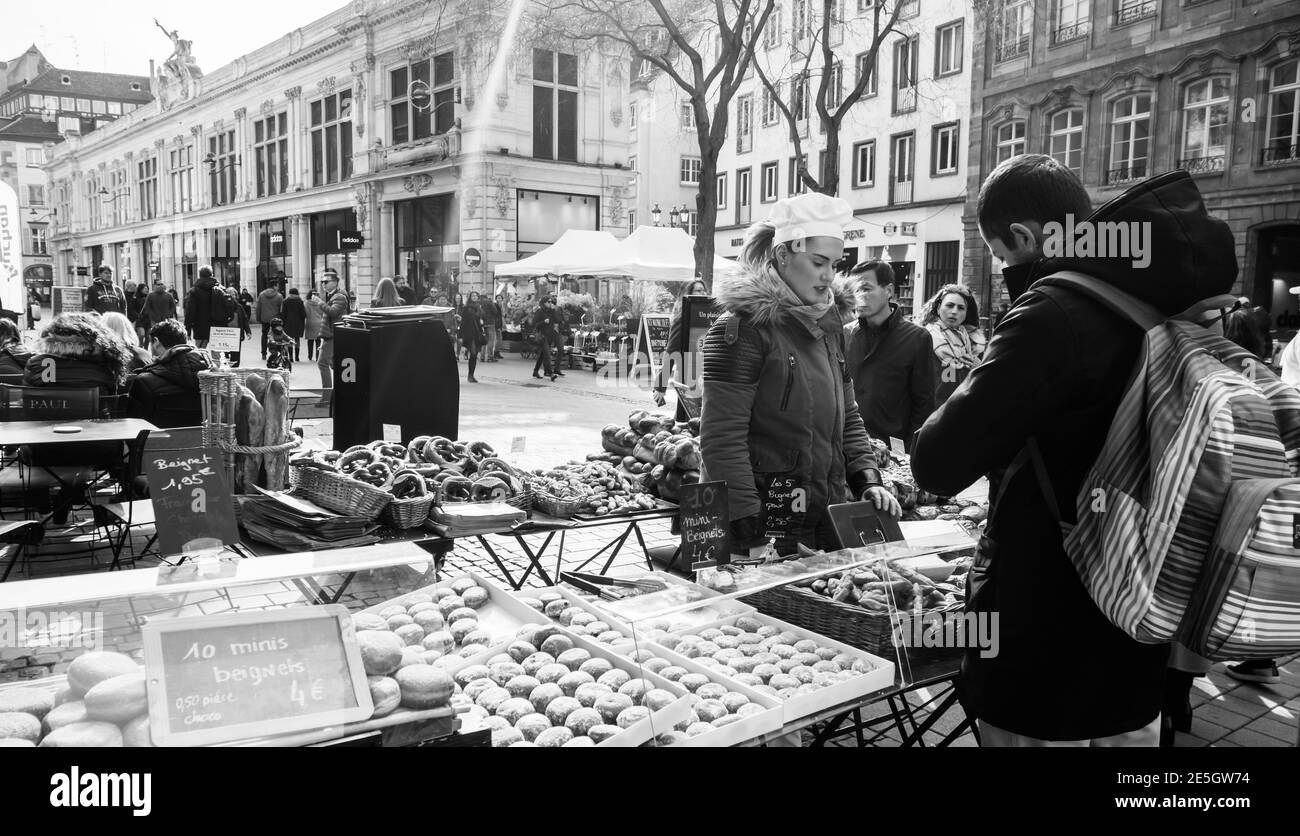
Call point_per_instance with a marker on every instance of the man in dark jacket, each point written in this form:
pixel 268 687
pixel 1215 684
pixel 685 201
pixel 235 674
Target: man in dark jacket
pixel 405 291
pixel 1055 372
pixel 891 360
pixel 270 305
pixel 206 305
pixel 166 393
pixel 336 307
pixel 158 306
pixel 103 296
pixel 294 314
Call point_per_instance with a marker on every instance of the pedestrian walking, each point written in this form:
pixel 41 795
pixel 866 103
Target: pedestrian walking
pixel 544 336
pixel 294 314
pixel 952 320
pixel 472 332
pixel 270 304
pixel 315 308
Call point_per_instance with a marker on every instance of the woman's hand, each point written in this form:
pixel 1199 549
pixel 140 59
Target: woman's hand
pixel 883 500
pixel 659 398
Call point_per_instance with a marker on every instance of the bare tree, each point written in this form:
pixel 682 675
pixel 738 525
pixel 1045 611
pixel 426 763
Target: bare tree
pixel 678 38
pixel 830 106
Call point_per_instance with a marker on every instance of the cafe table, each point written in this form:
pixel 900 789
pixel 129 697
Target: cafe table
pixel 33 433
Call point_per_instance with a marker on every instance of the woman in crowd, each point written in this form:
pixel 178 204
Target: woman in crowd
pixel 952 318
pixel 13 356
pixel 545 334
pixel 315 309
pixel 472 333
pixel 385 295
pixel 675 353
pixel 238 319
pixel 122 327
pixel 294 314
pixel 778 404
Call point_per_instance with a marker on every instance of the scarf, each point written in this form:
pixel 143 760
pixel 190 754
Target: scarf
pixel 809 315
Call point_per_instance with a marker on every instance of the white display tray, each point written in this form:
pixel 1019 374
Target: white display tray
pixel 638 733
pixel 501 615
pixel 880 677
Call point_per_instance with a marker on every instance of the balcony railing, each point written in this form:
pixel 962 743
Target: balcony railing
pixel 904 99
pixel 1008 50
pixel 1136 11
pixel 1126 175
pixel 744 142
pixel 1280 155
pixel 1072 32
pixel 1211 164
pixel 900 192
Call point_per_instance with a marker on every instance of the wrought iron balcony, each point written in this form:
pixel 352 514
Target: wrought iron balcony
pixel 1280 155
pixel 1008 50
pixel 1137 11
pixel 1072 32
pixel 1127 175
pixel 1211 164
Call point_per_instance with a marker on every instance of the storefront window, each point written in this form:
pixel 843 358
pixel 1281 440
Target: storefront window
pixel 325 253
pixel 427 242
pixel 149 258
pixel 274 252
pixel 544 216
pixel 223 245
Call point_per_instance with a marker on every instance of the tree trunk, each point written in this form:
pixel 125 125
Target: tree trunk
pixel 830 173
pixel 706 202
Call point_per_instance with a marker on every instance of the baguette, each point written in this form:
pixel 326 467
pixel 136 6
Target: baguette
pixel 256 429
pixel 242 421
pixel 257 385
pixel 277 416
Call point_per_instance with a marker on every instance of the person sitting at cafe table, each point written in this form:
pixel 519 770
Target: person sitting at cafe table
pixel 13 354
pixel 166 392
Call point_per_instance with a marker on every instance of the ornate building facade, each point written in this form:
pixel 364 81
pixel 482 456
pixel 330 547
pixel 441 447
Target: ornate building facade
pixel 376 141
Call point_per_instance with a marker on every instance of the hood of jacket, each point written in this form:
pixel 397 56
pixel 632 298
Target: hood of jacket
pixel 268 294
pixel 764 298
pixel 75 338
pixel 1192 254
pixel 205 282
pixel 180 365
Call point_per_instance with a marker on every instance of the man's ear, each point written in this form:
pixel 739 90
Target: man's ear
pixel 1025 238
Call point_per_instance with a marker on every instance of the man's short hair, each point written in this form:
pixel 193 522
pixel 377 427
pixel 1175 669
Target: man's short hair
pixel 1029 187
pixel 879 270
pixel 205 272
pixel 104 268
pixel 169 333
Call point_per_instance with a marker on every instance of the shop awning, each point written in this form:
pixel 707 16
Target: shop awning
pixel 579 252
pixel 665 254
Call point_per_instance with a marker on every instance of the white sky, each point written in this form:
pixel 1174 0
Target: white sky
pixel 119 36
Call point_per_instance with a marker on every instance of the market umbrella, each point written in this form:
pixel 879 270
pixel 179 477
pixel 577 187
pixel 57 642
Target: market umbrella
pixel 579 252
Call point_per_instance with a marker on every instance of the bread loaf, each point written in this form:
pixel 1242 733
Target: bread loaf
pixel 276 406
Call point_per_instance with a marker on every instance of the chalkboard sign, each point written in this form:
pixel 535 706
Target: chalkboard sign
pixel 218 678
pixel 698 314
pixel 785 501
pixel 651 340
pixel 191 500
pixel 705 524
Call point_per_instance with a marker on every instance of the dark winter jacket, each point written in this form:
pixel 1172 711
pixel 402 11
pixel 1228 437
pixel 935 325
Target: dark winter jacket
pixel 893 375
pixel 778 405
pixel 1056 370
pixel 206 305
pixel 546 324
pixel 105 297
pixel 166 393
pixel 75 353
pixel 134 304
pixel 158 306
pixel 269 304
pixel 472 326
pixel 407 295
pixel 13 362
pixel 294 314
pixel 335 308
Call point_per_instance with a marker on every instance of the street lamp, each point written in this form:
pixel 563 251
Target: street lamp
pixel 105 196
pixel 672 217
pixel 656 214
pixel 35 218
pixel 210 160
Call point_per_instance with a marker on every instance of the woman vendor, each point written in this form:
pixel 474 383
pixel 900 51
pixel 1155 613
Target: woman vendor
pixel 779 422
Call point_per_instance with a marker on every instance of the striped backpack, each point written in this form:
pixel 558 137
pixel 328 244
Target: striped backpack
pixel 1189 521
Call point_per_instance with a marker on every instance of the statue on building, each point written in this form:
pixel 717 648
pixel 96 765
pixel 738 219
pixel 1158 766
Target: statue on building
pixel 178 78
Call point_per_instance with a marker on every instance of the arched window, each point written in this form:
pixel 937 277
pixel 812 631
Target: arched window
pixel 1065 138
pixel 1010 140
pixel 1130 139
pixel 1205 125
pixel 1283 145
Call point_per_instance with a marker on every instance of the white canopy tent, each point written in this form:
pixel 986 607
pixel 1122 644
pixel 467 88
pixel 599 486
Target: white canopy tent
pixel 665 254
pixel 579 252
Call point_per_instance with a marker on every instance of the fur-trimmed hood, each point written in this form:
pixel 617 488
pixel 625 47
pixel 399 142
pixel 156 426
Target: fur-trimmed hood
pixel 83 337
pixel 764 298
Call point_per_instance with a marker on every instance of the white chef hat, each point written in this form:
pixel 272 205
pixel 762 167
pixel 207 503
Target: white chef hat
pixel 808 216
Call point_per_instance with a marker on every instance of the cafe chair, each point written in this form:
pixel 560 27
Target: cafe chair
pixel 116 519
pixel 15 537
pixel 35 471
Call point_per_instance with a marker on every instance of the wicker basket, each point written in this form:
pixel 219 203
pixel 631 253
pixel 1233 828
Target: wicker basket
pixel 870 631
pixel 219 396
pixel 408 513
pixel 340 494
pixel 554 507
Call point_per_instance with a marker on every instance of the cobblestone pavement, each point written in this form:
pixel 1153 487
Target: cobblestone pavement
pixel 560 421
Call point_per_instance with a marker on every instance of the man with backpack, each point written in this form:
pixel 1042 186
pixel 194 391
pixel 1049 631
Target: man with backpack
pixel 1034 417
pixel 205 306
